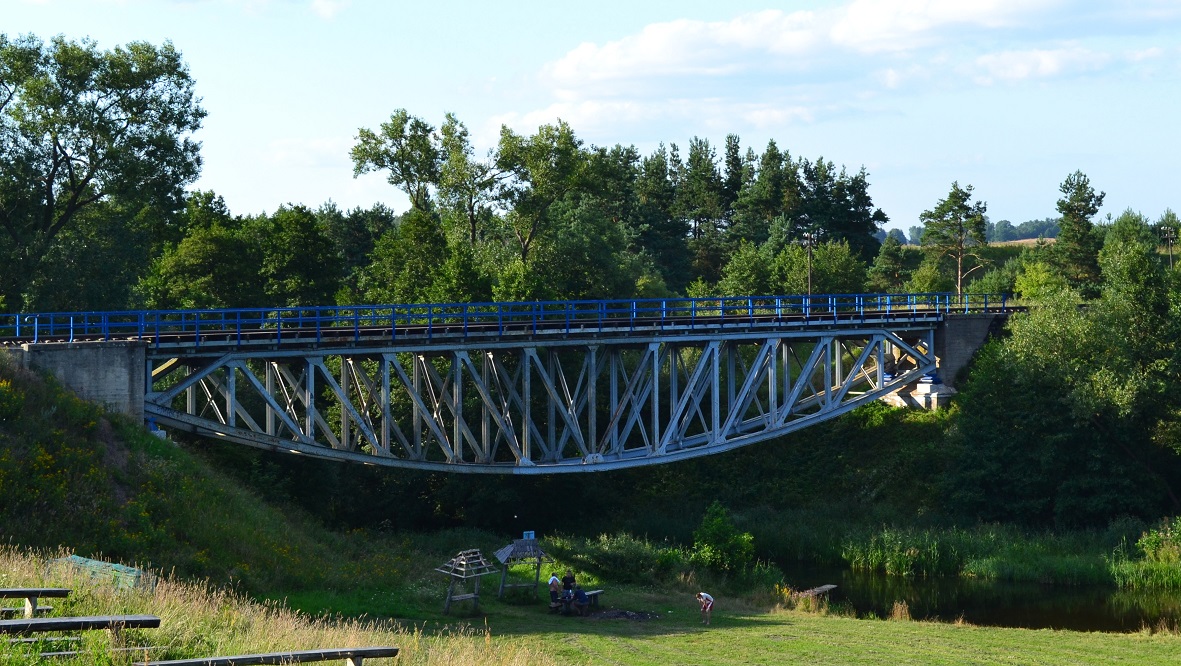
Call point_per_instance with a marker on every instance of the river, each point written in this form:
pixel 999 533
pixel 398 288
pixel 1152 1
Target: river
pixel 991 603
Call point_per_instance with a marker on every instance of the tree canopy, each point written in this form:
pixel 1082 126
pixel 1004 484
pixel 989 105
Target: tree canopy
pixel 80 127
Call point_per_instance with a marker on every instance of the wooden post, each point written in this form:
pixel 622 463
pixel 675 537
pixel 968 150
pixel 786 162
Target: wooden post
pixel 450 589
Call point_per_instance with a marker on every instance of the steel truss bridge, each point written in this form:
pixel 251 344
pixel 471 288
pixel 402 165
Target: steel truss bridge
pixel 520 388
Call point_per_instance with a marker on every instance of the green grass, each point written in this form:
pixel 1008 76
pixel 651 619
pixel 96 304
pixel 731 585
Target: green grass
pixel 745 634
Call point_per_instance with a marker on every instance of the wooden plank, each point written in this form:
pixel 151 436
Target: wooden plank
pixel 354 654
pixel 75 653
pixel 823 589
pixel 465 597
pixel 44 639
pixel 112 622
pixel 23 611
pixel 26 592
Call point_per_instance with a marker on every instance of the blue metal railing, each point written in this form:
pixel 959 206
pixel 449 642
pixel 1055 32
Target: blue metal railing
pixel 342 323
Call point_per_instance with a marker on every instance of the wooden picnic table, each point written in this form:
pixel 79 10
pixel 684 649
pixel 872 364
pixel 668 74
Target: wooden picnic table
pixel 31 595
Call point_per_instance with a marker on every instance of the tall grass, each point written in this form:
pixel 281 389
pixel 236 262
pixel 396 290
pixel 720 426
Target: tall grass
pixel 990 552
pixel 1156 563
pixel 198 621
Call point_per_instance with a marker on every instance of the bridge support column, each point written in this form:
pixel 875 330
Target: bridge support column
pixel 108 373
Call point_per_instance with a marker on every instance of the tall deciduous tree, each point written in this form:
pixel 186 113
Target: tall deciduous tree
pixel 80 126
pixel 467 185
pixel 543 169
pixel 955 229
pixel 408 149
pixel 1077 248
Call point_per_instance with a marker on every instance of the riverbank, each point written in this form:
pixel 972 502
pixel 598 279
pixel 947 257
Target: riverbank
pixel 647 627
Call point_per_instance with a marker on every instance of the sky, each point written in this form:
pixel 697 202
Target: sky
pixel 1009 96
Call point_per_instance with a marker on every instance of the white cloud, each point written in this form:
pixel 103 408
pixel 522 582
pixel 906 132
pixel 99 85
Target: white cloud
pixel 1037 64
pixel 900 25
pixel 687 47
pixel 1146 54
pixel 329 8
pixel 778 69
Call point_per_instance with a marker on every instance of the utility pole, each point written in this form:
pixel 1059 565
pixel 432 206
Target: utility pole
pixel 1169 234
pixel 809 239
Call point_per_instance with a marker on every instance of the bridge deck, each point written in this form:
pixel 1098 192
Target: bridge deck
pixel 220 330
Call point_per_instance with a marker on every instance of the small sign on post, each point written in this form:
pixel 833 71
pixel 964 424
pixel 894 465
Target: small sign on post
pixel 528 535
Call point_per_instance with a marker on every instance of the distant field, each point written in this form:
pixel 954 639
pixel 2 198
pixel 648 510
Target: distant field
pixel 1024 241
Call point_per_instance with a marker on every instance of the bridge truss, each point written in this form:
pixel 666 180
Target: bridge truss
pixel 530 406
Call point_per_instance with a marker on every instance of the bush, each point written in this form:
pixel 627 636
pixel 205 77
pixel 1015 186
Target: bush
pixel 718 545
pixel 1162 545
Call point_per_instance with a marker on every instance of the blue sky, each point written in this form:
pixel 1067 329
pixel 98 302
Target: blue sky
pixel 1009 96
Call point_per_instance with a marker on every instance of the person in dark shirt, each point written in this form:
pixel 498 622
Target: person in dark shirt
pixel 581 601
pixel 568 583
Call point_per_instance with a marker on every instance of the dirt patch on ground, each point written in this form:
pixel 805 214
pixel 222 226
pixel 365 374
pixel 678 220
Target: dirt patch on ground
pixel 613 614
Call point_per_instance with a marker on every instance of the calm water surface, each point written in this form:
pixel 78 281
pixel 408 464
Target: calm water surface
pixel 1001 604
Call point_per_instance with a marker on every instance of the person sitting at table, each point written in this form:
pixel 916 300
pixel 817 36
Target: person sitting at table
pixel 581 601
pixel 555 588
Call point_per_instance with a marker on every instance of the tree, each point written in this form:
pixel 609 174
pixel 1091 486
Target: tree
pixel 542 170
pixel 1037 281
pixel 467 186
pixel 657 230
pixel 215 266
pixel 699 190
pixel 80 127
pixel 1077 248
pixel 408 149
pixel 1003 231
pixel 888 272
pixel 300 262
pixel 766 197
pixel 835 270
pixel 734 176
pixel 747 273
pixel 955 228
pixel 898 235
pixel 840 205
pixel 916 235
pixel 405 261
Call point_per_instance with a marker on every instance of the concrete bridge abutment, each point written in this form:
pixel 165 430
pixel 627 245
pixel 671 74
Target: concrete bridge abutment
pixel 957 339
pixel 107 373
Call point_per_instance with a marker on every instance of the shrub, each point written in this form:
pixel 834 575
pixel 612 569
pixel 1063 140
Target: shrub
pixel 718 545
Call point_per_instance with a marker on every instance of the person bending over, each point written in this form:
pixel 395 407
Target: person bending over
pixel 707 606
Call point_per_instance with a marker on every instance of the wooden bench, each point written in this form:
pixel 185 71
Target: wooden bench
pixel 26 612
pixel 353 656
pixel 31 595
pixel 112 623
pixel 593 597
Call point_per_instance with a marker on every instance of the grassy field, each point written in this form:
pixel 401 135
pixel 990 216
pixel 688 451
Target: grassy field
pixel 742 633
pixel 640 626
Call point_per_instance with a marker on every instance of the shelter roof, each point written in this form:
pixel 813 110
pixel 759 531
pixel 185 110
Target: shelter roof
pixel 467 564
pixel 520 550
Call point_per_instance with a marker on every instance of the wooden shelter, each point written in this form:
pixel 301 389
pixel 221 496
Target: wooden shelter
pixel 466 565
pixel 517 552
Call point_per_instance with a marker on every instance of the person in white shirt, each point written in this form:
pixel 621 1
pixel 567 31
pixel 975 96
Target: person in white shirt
pixel 555 587
pixel 707 606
